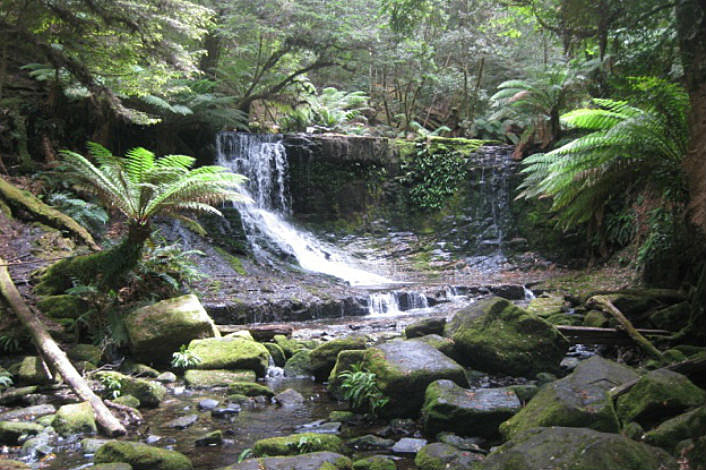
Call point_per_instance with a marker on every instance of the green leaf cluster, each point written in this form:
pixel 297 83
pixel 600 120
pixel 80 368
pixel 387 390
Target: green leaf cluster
pixel 361 390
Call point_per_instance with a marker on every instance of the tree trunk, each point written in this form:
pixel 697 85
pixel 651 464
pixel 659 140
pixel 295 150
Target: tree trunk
pixel 56 358
pixel 691 29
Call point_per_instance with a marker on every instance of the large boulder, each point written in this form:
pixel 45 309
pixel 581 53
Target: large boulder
pixel 578 400
pixel 231 353
pixel 85 352
pixel 576 449
pixel 156 331
pixel 669 434
pixel 142 456
pixel 344 362
pixel 312 461
pixel 427 326
pixel 299 365
pixel 217 378
pixel 298 444
pixel 477 412
pixel 11 431
pixel 440 456
pixel 148 392
pixel 30 371
pixel 659 394
pixel 323 357
pixel 495 336
pixel 74 419
pixel 404 369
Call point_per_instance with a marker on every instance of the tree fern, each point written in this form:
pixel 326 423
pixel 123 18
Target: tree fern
pixel 627 147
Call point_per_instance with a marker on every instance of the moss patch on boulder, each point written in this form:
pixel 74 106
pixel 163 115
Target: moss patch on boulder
pixel 215 378
pixel 30 371
pixel 250 389
pixel 85 352
pixel 299 365
pixel 74 419
pixel 62 306
pixel 148 392
pixel 142 456
pixel 323 357
pixel 669 434
pixel 277 353
pixel 298 444
pixel 231 353
pixel 11 431
pixel 440 456
pixel 376 462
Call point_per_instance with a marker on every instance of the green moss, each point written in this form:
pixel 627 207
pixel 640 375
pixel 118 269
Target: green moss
pixel 148 392
pixel 30 371
pixel 128 400
pixel 596 318
pixel 10 431
pixel 668 434
pixel 440 456
pixel 323 358
pixel 62 306
pixel 545 306
pixel 73 419
pixel 214 377
pixel 290 346
pixel 142 456
pixel 277 354
pixel 250 389
pixel 341 416
pixel 299 364
pixel 376 462
pixel 234 262
pixel 298 444
pixel 85 352
pixel 231 353
pixel 344 362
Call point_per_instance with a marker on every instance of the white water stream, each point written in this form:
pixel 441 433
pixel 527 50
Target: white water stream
pixel 262 159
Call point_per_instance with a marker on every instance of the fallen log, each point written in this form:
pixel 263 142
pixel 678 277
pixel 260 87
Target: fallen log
pixel 56 358
pixel 604 303
pixel 595 335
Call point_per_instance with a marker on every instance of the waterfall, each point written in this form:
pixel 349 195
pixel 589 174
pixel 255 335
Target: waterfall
pixel 262 158
pixel 396 302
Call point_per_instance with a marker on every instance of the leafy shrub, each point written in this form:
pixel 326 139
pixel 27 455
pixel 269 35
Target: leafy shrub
pixel 185 358
pixel 5 379
pixel 112 385
pixel 361 391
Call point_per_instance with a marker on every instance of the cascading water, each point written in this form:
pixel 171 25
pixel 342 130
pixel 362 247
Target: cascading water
pixel 262 158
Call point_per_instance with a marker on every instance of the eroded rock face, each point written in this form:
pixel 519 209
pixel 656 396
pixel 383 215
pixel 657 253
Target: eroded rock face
pixel 476 412
pixel 495 336
pixel 576 449
pixel 578 400
pixel 156 331
pixel 659 394
pixel 403 371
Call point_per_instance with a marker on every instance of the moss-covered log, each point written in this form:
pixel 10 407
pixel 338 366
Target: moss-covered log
pixel 50 216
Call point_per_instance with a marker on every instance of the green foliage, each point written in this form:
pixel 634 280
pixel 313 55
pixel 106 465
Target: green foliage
pixel 361 391
pixel 432 175
pixel 111 384
pixel 12 340
pixel 661 239
pixel 245 454
pixel 102 321
pixel 627 148
pixel 307 444
pixel 330 110
pixel 185 358
pixel 89 215
pixel 5 379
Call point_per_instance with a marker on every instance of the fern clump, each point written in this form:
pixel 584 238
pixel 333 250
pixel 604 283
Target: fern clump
pixel 361 390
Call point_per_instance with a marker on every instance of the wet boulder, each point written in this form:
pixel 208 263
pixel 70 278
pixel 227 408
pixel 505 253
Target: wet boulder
pixel 580 399
pixel 299 365
pixel 11 431
pixel 157 330
pixel 444 345
pixel 277 354
pixel 375 462
pixel 439 456
pixel 575 449
pixel 250 389
pixel 85 352
pixel 148 392
pixel 659 394
pixel 231 353
pixel 30 371
pixel 495 336
pixel 323 357
pixel 142 456
pixel 476 412
pixel 74 419
pixel 344 362
pixel 546 305
pixel 670 433
pixel 217 378
pixel 298 444
pixel 309 461
pixel 427 326
pixel 404 369
pixel 290 346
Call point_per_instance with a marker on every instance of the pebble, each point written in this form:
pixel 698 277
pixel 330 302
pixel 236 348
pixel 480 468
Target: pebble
pixel 208 404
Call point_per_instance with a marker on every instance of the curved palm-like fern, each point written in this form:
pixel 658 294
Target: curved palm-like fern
pixel 140 186
pixel 626 147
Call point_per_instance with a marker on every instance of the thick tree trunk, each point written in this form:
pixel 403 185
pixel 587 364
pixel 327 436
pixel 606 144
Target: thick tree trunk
pixel 691 26
pixel 55 356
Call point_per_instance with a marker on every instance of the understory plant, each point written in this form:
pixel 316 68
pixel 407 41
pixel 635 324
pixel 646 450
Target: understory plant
pixel 361 391
pixel 185 358
pixel 5 379
pixel 140 186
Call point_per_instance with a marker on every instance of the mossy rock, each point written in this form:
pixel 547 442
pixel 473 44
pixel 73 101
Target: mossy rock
pixel 495 336
pixel 579 400
pixel 477 412
pixel 148 392
pixel 524 392
pixel 250 389
pixel 242 334
pixel 323 358
pixel 30 371
pixel 444 345
pixel 157 331
pixel 112 466
pixel 74 419
pixel 298 444
pixel 671 318
pixel 62 306
pixel 344 362
pixel 596 318
pixel 216 378
pixel 570 319
pixel 576 449
pixel 231 353
pixel 290 346
pixel 277 353
pixel 142 456
pixel 139 370
pixel 127 400
pixel 341 416
pixel 85 352
pixel 310 461
pixel 670 433
pixel 299 365
pixel 659 394
pixel 546 305
pixel 404 369
pixel 376 462
pixel 427 326
pixel 11 431
pixel 694 452
pixel 440 456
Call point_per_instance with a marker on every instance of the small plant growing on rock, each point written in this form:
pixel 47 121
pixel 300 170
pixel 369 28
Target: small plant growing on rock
pixel 185 358
pixel 5 379
pixel 361 391
pixel 308 444
pixel 112 385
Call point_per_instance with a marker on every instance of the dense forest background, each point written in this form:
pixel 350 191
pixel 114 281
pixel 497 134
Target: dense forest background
pixel 169 74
